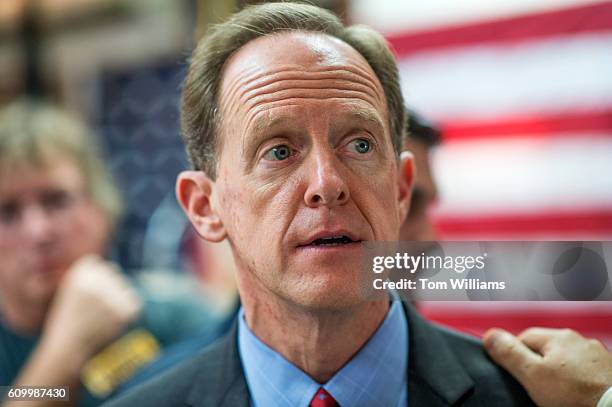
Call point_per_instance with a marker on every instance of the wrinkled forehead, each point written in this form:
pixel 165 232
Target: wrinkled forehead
pixel 268 58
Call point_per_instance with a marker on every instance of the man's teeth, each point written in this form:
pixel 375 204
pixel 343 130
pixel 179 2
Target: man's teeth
pixel 332 241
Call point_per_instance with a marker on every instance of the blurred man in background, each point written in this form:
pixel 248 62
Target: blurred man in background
pixel 422 137
pixel 61 303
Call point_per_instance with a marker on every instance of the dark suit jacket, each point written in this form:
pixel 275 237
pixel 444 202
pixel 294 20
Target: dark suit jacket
pixel 445 368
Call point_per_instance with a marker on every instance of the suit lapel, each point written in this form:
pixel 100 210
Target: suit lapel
pixel 435 376
pixel 220 380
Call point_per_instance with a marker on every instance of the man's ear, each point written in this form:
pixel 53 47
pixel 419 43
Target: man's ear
pixel 195 192
pixel 405 183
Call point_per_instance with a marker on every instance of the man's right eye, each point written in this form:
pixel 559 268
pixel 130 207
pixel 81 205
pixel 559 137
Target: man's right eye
pixel 278 153
pixel 56 200
pixel 9 213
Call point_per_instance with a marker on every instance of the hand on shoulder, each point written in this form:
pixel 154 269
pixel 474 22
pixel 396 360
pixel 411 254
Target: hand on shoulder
pixel 557 367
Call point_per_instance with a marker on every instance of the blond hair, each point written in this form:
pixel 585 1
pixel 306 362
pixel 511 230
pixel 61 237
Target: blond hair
pixel 31 133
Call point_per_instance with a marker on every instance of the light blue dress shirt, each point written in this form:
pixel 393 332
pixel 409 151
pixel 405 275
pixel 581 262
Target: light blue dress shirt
pixel 375 376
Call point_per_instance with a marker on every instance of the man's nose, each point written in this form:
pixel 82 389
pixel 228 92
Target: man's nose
pixel 326 183
pixel 36 225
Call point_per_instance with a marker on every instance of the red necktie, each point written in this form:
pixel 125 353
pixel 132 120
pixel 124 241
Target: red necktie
pixel 323 399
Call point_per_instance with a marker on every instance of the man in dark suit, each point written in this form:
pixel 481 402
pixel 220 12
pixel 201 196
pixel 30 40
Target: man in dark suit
pixel 294 126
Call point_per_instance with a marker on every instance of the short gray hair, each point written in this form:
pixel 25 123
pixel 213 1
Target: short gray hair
pixel 200 118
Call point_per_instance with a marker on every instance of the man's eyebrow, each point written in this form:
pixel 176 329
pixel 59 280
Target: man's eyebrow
pixel 259 128
pixel 267 121
pixel 363 114
pixel 366 114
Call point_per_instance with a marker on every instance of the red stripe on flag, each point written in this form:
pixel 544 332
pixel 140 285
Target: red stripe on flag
pixel 599 122
pixel 556 223
pixel 592 324
pixel 582 19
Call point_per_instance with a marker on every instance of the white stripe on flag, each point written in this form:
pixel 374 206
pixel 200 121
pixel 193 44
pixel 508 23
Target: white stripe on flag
pixel 524 175
pixel 483 82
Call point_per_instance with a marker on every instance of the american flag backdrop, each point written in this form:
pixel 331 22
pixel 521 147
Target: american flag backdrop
pixel 523 94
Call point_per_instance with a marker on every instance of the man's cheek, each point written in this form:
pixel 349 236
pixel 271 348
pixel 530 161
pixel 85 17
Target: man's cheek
pixel 267 199
pixel 387 206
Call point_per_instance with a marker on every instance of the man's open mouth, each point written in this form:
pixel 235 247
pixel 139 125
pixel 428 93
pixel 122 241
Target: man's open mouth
pixel 331 241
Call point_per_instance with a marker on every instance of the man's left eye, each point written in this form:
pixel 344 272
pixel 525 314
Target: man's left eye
pixel 360 145
pixel 278 153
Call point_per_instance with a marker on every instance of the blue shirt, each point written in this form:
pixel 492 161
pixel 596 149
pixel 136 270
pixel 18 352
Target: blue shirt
pixel 375 376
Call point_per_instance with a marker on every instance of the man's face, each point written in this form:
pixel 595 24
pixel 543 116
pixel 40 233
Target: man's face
pixel 418 226
pixel 46 223
pixel 307 169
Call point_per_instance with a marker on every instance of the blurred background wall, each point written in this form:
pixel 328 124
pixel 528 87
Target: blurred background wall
pixel 521 90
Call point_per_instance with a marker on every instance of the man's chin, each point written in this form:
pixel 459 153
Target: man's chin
pixel 334 290
pixel 43 286
pixel 315 257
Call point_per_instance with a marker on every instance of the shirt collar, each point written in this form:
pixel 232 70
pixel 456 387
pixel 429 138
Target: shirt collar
pixel 375 376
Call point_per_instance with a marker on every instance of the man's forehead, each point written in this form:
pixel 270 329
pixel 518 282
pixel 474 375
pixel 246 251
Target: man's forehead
pixel 292 49
pixel 55 170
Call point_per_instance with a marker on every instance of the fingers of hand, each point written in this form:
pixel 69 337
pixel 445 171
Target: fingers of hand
pixel 547 341
pixel 510 353
pixel 98 288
